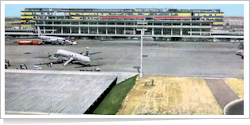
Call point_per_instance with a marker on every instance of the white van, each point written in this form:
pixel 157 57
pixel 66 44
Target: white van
pixel 37 68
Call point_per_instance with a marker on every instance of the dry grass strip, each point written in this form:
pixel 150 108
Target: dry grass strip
pixel 157 95
pixel 237 85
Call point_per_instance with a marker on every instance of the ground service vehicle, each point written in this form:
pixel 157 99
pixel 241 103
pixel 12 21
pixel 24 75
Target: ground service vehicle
pixel 7 64
pixel 22 66
pixel 29 42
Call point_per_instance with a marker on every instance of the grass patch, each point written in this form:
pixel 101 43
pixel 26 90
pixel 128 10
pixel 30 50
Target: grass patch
pixel 112 102
pixel 170 96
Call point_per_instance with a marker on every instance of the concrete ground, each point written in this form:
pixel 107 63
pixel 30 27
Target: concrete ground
pixel 46 92
pixel 201 59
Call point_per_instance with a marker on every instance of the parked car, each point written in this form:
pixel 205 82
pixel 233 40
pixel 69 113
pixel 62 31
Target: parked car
pixel 37 68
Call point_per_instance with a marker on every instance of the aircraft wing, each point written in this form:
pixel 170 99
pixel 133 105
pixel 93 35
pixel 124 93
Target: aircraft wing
pixel 46 39
pixel 94 53
pixel 90 54
pixel 68 41
pixel 53 39
pixel 66 63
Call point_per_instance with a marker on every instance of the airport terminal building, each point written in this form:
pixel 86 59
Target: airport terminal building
pixel 161 24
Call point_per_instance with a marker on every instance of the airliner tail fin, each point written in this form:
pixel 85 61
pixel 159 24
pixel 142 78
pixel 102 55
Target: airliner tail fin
pixel 39 31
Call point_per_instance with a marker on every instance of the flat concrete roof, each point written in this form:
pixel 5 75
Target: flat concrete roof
pixel 66 92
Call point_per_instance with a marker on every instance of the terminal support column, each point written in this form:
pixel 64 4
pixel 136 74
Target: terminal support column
pixel 70 30
pixel 124 29
pixel 162 29
pixel 181 29
pixel 115 27
pixel 88 28
pixel 79 29
pixel 106 28
pixel 53 27
pixel 190 29
pixel 200 28
pixel 44 27
pixel 153 30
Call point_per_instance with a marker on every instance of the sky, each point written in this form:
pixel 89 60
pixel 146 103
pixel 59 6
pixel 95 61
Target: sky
pixel 14 10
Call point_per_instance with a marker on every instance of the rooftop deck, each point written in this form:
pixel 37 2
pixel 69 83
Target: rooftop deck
pixel 65 92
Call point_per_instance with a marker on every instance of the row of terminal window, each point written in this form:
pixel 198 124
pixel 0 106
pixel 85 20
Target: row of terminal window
pixel 129 23
pixel 124 14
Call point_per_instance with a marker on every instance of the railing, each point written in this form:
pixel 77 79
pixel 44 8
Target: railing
pixel 148 26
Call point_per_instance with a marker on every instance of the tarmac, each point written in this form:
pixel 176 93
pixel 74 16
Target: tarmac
pixel 191 59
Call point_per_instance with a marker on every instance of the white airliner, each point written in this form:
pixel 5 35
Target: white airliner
pixel 60 40
pixel 64 55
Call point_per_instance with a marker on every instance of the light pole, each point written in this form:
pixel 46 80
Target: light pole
pixel 142 33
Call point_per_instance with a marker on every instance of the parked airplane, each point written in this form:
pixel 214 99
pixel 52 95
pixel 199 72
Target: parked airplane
pixel 60 40
pixel 64 55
